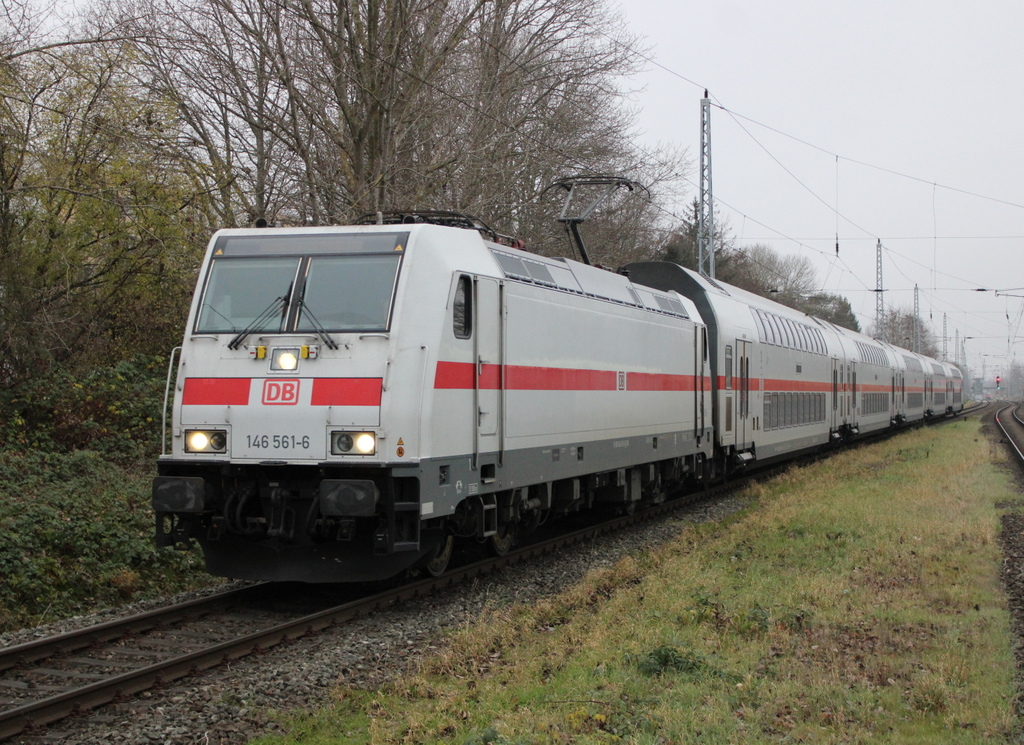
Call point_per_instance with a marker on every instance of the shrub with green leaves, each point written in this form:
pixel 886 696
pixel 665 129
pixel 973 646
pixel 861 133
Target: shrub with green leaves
pixel 77 456
pixel 113 410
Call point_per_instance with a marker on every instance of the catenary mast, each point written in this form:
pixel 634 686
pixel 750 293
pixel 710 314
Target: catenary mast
pixel 706 218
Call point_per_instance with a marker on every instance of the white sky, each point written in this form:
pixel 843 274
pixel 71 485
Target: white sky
pixel 927 88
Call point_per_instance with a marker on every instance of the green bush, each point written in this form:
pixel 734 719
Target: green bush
pixel 77 457
pixel 114 411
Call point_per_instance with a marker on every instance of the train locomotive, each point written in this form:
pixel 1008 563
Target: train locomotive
pixel 351 401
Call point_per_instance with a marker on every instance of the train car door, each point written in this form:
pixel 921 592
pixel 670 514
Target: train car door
pixel 742 391
pixel 837 415
pixel 488 377
pixel 893 409
pixel 726 434
pixel 700 361
pixel 854 418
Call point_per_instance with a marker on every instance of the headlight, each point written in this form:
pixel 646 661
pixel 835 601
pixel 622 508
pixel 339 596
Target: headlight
pixel 353 443
pixel 285 358
pixel 206 441
pixel 366 443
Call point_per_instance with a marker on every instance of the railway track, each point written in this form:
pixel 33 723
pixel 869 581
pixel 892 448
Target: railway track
pixel 52 678
pixel 1010 422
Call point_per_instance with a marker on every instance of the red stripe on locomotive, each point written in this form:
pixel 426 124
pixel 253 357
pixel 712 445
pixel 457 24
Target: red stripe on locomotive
pixel 346 391
pixel 459 376
pixel 216 392
pixel 326 392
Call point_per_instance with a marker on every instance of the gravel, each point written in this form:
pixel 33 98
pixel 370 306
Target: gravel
pixel 247 697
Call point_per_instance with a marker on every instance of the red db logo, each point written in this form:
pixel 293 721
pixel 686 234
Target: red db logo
pixel 280 392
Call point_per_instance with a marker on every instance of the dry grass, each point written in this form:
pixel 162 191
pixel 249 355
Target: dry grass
pixel 858 600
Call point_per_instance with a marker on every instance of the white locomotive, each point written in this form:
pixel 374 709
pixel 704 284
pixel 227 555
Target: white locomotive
pixel 349 401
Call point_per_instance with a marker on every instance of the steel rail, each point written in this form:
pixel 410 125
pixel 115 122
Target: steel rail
pixel 1010 438
pixel 41 649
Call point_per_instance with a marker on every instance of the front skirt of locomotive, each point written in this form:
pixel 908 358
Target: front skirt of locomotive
pixel 275 561
pixel 293 524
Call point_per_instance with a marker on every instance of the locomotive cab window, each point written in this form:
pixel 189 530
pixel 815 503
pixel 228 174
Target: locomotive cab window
pixel 282 283
pixel 240 292
pixel 348 293
pixel 462 308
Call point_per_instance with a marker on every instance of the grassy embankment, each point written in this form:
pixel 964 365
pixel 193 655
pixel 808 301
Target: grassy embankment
pixel 856 600
pixel 77 458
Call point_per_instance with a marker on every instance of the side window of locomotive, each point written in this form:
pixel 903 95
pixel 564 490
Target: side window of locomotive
pixel 462 309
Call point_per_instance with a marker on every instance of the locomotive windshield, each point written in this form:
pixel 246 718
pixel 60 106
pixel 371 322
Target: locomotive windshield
pixel 240 290
pixel 316 283
pixel 347 293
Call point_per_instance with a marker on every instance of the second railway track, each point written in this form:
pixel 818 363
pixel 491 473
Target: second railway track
pixel 1010 421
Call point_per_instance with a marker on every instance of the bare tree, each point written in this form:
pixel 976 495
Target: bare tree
pixel 785 278
pixel 899 330
pixel 314 111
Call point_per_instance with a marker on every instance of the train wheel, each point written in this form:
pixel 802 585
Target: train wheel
pixel 501 542
pixel 437 564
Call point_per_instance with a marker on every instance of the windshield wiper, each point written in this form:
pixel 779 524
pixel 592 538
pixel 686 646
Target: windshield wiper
pixel 320 330
pixel 278 304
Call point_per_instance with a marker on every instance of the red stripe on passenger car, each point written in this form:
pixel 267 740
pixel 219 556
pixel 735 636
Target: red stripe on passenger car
pixel 346 391
pixel 796 385
pixel 215 392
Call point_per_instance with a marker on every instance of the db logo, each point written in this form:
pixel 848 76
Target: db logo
pixel 280 392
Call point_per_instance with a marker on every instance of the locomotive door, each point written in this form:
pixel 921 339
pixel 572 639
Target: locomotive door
pixel 488 378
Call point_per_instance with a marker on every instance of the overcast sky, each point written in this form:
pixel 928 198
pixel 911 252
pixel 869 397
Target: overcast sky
pixel 922 102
